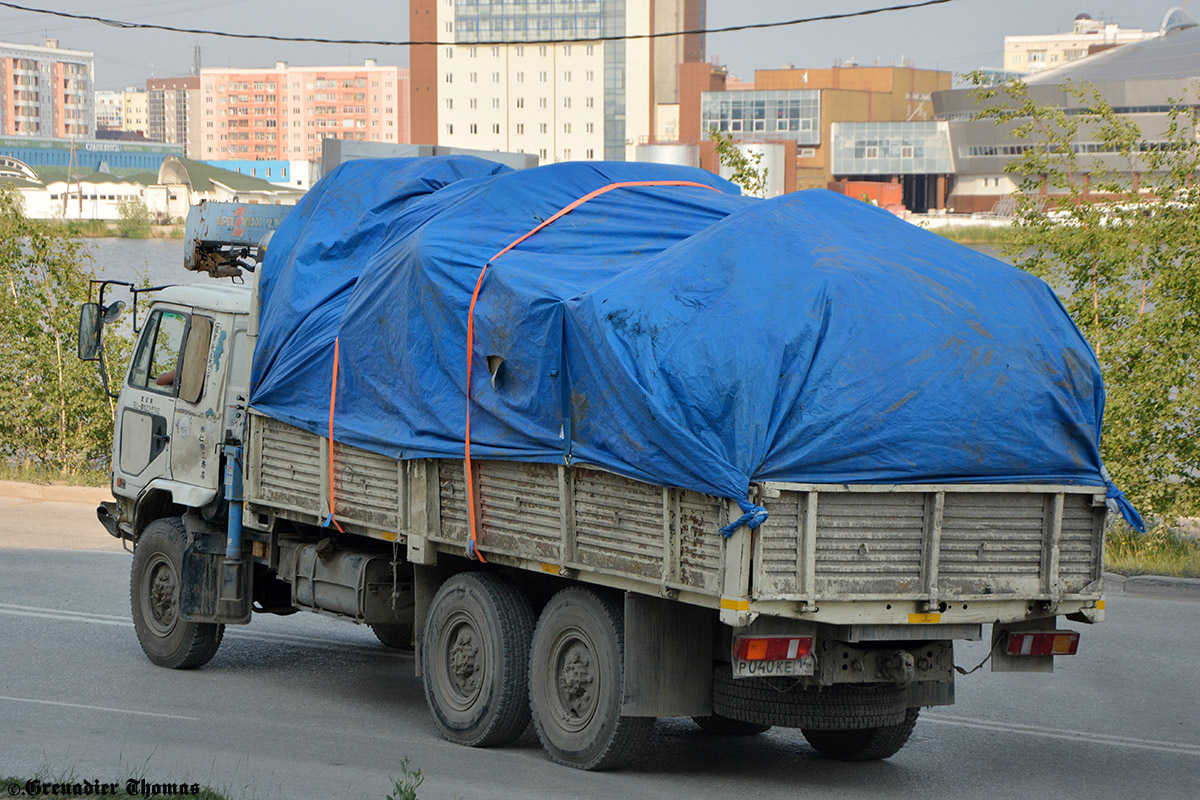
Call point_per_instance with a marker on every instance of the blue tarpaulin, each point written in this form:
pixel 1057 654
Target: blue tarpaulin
pixel 673 334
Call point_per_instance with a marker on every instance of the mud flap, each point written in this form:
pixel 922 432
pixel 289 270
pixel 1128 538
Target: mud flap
pixel 200 583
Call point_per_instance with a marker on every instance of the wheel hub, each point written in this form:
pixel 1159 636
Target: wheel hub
pixel 464 658
pixel 161 596
pixel 576 681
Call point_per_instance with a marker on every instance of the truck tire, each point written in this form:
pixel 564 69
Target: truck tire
pixel 154 586
pixel 869 744
pixel 781 702
pixel 398 635
pixel 724 726
pixel 475 659
pixel 576 683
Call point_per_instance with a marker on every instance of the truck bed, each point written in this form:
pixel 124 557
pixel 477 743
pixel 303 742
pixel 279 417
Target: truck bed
pixel 843 554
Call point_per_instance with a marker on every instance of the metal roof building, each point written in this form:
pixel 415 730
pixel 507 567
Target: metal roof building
pixel 1140 81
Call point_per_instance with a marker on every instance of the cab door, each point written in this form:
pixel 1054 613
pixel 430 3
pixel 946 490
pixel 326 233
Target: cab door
pixel 147 404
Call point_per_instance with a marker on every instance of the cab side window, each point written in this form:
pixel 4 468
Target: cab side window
pixel 156 362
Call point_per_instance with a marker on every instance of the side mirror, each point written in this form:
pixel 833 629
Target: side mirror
pixel 90 322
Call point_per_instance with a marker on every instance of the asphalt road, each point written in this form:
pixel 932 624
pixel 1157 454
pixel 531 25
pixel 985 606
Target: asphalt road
pixel 308 707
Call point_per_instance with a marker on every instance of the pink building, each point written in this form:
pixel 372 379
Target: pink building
pixel 283 113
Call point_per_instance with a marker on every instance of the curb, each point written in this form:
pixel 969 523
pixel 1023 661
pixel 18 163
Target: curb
pixel 37 493
pixel 1152 586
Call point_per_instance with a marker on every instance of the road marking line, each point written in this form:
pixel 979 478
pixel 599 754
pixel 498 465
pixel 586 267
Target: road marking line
pixel 1075 736
pixel 106 619
pixel 98 708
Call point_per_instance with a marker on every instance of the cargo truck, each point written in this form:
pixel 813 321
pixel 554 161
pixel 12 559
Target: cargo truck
pixel 575 595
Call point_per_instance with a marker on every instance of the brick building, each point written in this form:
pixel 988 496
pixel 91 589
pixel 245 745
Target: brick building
pixel 46 91
pixel 283 112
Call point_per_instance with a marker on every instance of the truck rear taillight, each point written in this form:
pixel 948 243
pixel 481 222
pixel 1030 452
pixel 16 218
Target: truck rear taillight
pixel 1055 643
pixel 773 648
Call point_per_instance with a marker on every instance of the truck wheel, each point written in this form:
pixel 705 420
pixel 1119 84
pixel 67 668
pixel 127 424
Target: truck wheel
pixel 869 744
pixel 154 587
pixel 397 635
pixel 475 659
pixel 575 683
pixel 776 701
pixel 724 726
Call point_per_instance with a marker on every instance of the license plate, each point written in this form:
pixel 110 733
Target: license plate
pixel 773 669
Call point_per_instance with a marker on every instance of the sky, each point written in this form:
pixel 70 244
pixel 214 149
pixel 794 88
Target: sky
pixel 958 36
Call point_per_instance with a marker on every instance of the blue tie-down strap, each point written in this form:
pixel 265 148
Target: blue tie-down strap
pixel 1119 504
pixel 752 517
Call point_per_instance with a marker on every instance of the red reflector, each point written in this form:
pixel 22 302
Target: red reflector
pixel 773 648
pixel 1056 643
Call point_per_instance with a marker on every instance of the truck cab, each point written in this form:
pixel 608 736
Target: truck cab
pixel 183 392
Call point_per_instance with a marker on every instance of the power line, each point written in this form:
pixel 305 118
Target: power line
pixel 116 23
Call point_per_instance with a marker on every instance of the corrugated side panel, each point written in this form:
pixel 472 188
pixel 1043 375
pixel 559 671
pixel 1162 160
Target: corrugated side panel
pixel 618 524
pixel 991 543
pixel 519 509
pixel 289 468
pixel 780 541
pixel 700 521
pixel 869 543
pixel 367 488
pixel 1079 543
pixel 453 494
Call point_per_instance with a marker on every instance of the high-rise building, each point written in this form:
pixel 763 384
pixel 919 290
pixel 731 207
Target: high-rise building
pixel 174 105
pixel 46 91
pixel 135 111
pixel 283 113
pixel 1030 54
pixel 108 110
pixel 589 99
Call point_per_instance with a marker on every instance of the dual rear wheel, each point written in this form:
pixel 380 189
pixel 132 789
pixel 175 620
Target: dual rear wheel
pixel 489 668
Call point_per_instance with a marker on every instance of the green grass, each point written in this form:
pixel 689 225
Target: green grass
pixel 45 476
pixel 973 234
pixel 1158 552
pixel 83 228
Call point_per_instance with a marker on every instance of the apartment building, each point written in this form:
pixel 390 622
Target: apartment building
pixel 173 106
pixel 284 112
pixel 135 111
pixel 108 107
pixel 578 101
pixel 1038 52
pixel 46 90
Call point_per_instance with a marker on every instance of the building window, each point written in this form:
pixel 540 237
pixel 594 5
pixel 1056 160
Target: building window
pixel 541 127
pixel 566 76
pixel 567 154
pixel 472 77
pixel 449 52
pixel 495 102
pixel 520 102
pixel 566 102
pixel 495 77
pixel 566 127
pixel 449 79
pixel 591 153
pixel 449 129
pixel 589 102
pixel 473 128
pixel 473 103
pixel 590 49
pixel 472 52
pixel 449 102
pixel 520 50
pixel 495 52
pixel 520 127
pixel 542 52
pixel 566 49
pixel 496 127
pixel 541 102
pixel 589 75
pixel 520 77
pixel 590 127
pixel 542 152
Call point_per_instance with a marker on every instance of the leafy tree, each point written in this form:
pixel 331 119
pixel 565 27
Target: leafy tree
pixel 748 171
pixel 53 415
pixel 1117 233
pixel 134 219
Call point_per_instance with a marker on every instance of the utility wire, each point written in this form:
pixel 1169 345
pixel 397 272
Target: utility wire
pixel 116 23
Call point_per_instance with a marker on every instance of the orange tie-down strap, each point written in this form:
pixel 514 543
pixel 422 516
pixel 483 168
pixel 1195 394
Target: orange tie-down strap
pixel 473 543
pixel 332 402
